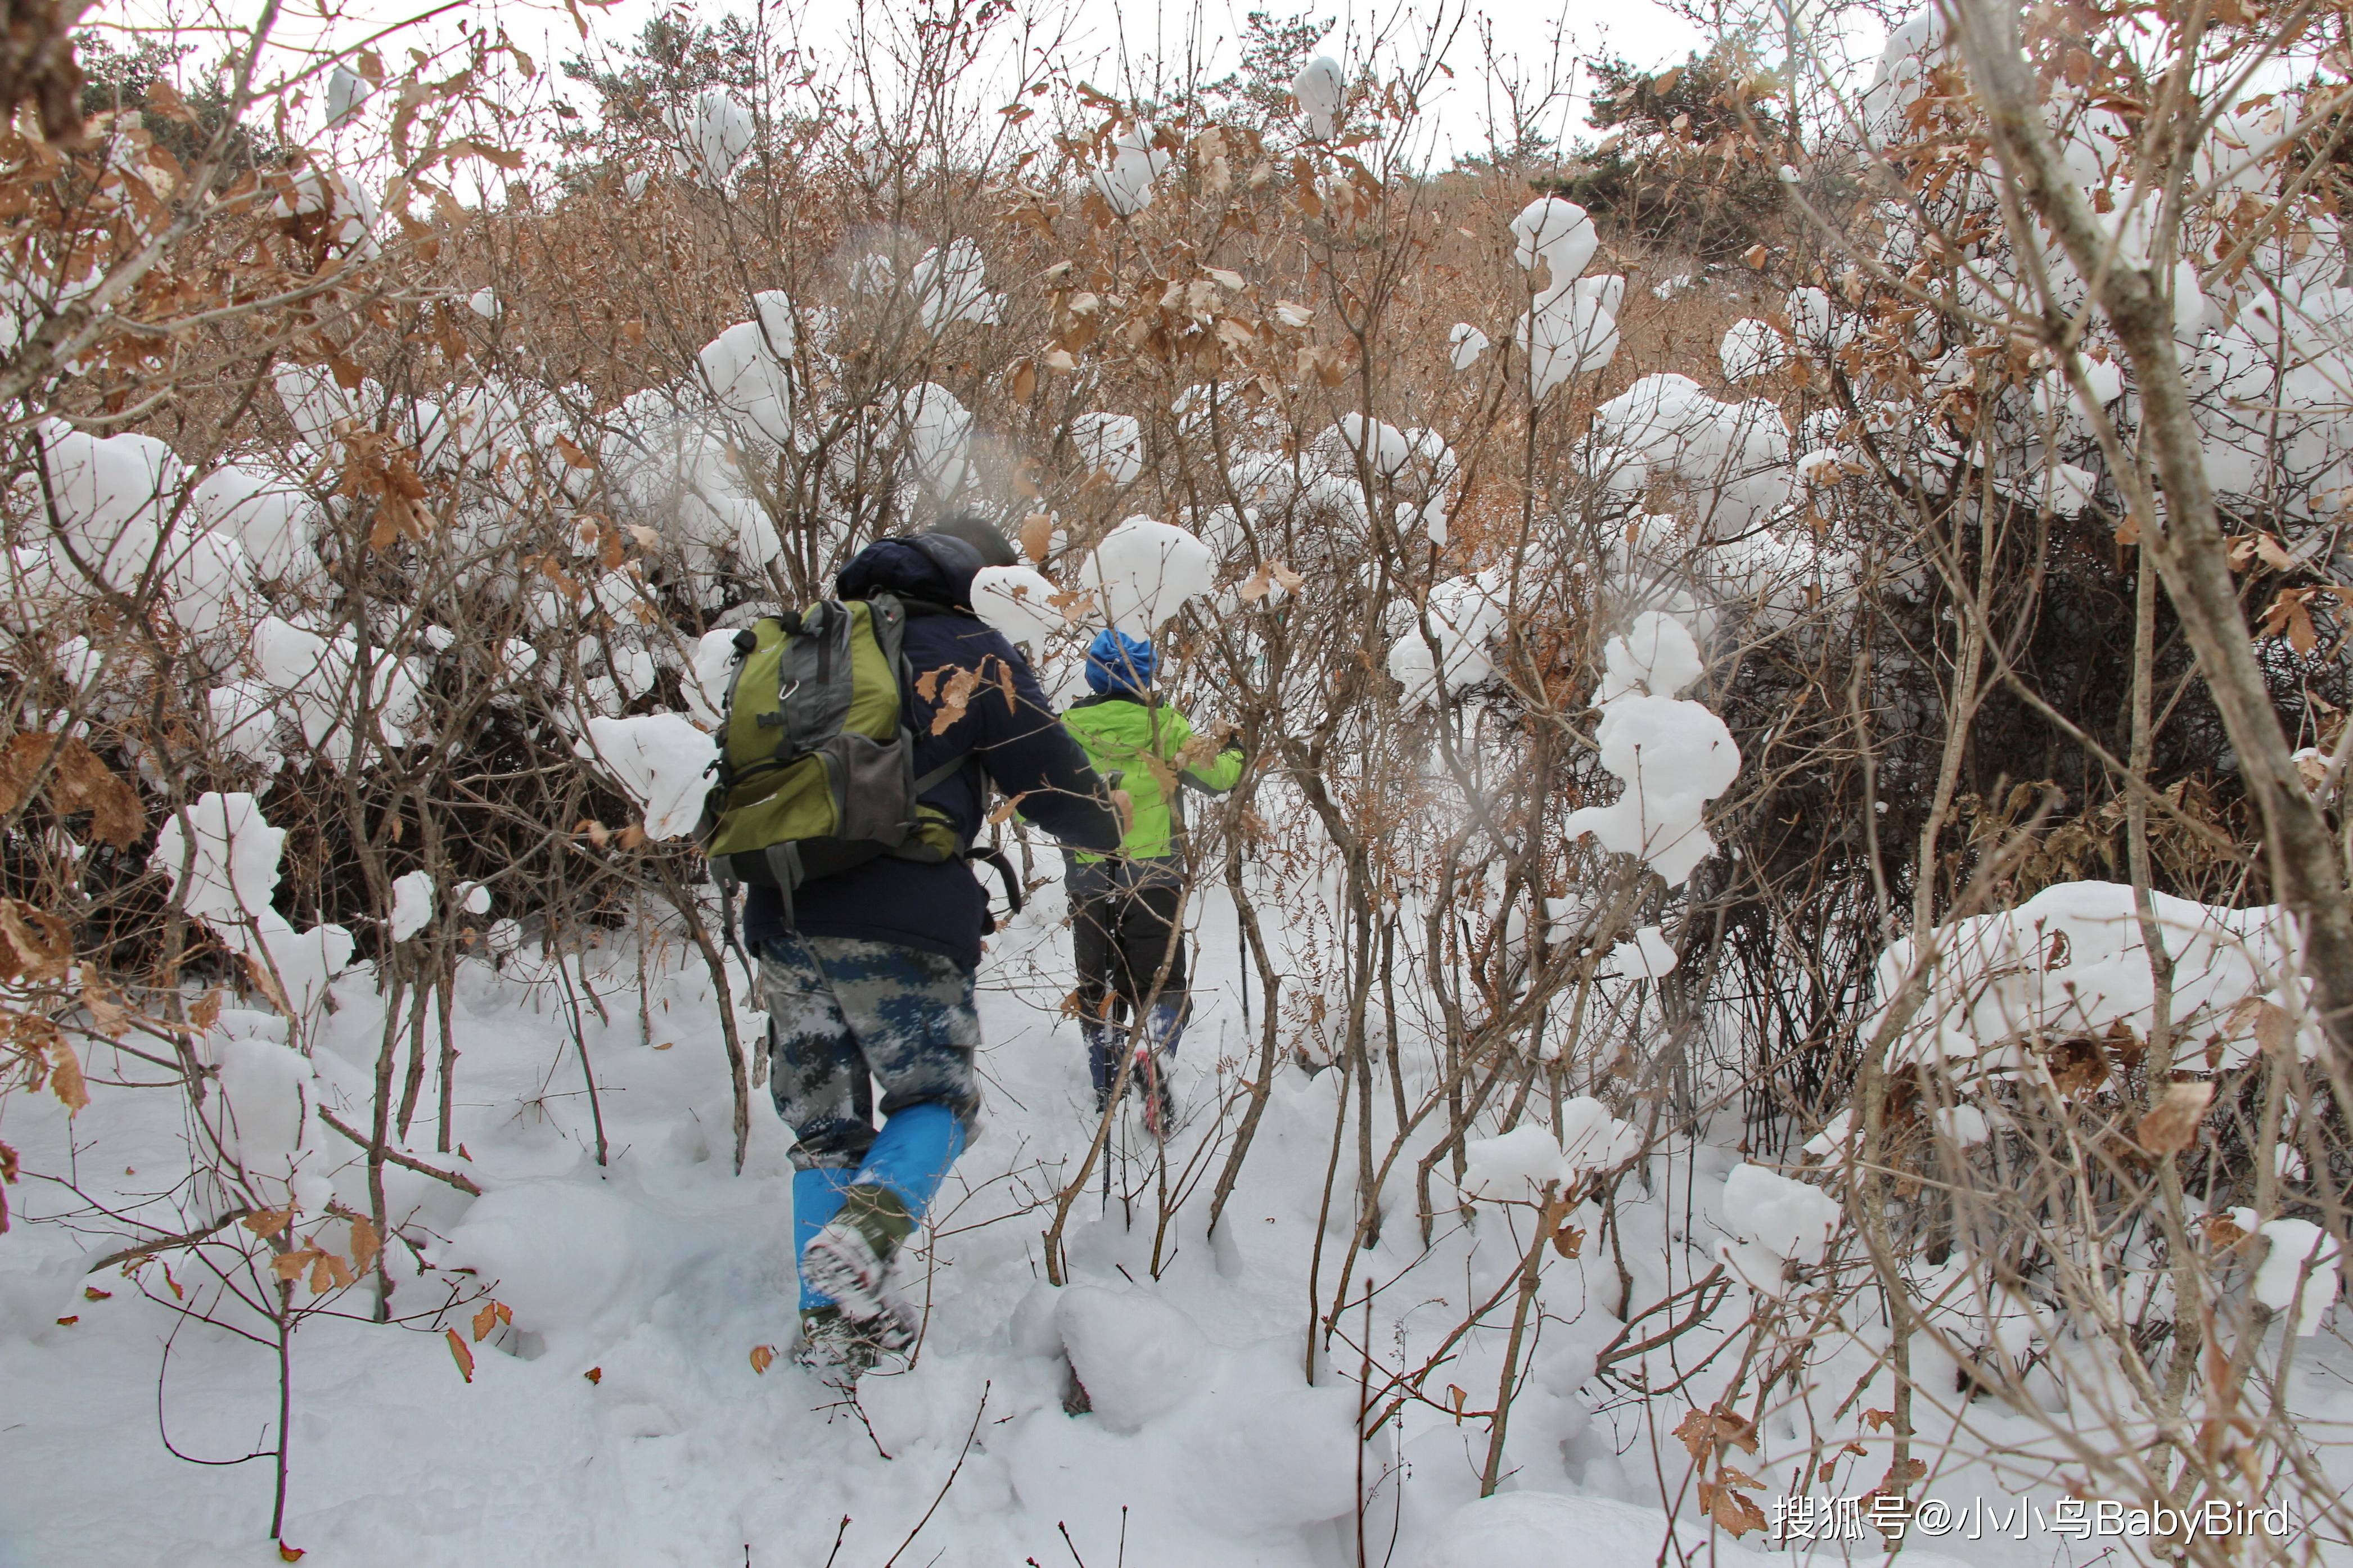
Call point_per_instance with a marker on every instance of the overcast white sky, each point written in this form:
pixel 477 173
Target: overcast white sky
pixel 1116 44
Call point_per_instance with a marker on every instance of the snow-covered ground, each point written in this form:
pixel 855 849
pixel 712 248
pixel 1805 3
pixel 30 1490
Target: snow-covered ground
pixel 661 1273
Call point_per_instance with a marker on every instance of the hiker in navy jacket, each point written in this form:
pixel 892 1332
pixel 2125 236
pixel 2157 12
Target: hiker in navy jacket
pixel 874 973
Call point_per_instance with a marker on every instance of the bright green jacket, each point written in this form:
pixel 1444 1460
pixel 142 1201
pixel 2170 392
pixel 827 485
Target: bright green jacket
pixel 1122 734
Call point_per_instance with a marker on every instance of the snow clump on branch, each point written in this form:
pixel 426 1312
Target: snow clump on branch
pixel 1572 325
pixel 1674 756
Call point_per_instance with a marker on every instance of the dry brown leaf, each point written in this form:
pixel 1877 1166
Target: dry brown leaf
pixel 1733 1510
pixel 1701 1430
pixel 365 1244
pixel 291 1554
pixel 289 1265
pixel 106 1016
pixel 267 1223
pixel 329 1273
pixel 763 1357
pixel 65 1075
pixel 35 945
pixel 461 1354
pixel 485 1321
pixel 595 1375
pixel 955 696
pixel 78 782
pixel 2273 1028
pixel 1037 536
pixel 2291 613
pixel 2222 1232
pixel 2173 1125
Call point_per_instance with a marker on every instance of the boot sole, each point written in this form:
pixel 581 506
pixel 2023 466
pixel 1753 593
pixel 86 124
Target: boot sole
pixel 844 1282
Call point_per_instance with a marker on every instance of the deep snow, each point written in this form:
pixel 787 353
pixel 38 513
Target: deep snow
pixel 663 1271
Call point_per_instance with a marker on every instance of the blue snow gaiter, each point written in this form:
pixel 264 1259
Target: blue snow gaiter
pixel 911 1155
pixel 1102 1054
pixel 1167 1025
pixel 817 1198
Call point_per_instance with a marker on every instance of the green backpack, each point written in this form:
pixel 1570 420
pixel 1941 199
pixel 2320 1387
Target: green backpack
pixel 817 763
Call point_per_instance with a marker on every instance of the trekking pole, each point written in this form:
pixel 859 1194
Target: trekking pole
pixel 1245 979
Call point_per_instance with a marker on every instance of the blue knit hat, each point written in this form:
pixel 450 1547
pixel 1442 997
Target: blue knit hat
pixel 1119 663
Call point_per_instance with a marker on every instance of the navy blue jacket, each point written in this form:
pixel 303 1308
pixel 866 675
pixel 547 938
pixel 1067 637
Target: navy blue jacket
pixel 1021 746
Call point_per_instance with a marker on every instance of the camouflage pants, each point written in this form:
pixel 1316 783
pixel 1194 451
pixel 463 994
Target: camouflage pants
pixel 840 1011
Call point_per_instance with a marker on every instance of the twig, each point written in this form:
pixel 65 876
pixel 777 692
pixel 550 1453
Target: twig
pixel 952 1471
pixel 408 1162
pixel 187 1238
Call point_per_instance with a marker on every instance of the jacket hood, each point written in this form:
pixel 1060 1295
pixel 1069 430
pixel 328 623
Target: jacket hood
pixel 932 568
pixel 1119 665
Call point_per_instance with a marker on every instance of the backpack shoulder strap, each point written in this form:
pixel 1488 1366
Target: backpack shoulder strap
pixel 889 618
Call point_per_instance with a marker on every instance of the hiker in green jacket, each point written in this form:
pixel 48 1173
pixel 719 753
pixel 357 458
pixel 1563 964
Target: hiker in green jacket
pixel 1124 906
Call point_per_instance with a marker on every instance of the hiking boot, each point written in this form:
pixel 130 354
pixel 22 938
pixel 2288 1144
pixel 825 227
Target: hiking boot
pixel 848 1262
pixel 830 1343
pixel 1153 1072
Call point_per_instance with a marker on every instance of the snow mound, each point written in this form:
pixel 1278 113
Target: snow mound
pixel 1144 570
pixel 1110 444
pixel 112 496
pixel 1127 181
pixel 1572 325
pixel 1779 1221
pixel 221 857
pixel 1018 603
pixel 412 905
pixel 274 522
pixel 558 1253
pixel 2289 1245
pixel 938 433
pixel 713 137
pixel 660 762
pixel 1465 617
pixel 1136 1355
pixel 1321 90
pixel 1514 1166
pixel 1751 349
pixel 1656 656
pixel 2070 959
pixel 1645 955
pixel 1674 756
